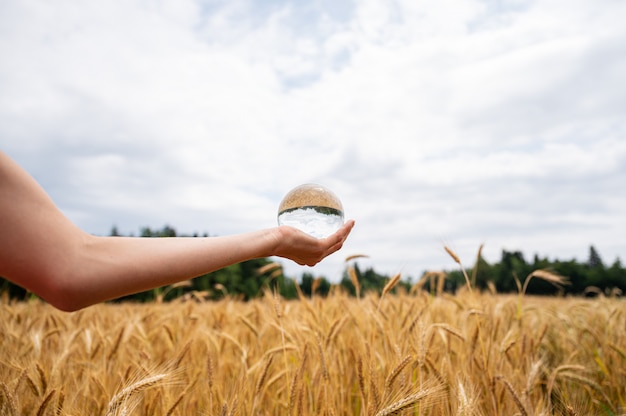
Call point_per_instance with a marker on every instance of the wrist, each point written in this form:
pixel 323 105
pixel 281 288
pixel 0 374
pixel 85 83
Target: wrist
pixel 272 240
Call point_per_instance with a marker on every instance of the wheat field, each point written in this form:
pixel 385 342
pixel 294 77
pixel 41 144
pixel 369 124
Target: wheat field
pixel 395 353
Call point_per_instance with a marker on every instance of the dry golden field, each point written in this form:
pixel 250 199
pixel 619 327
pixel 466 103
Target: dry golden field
pixel 413 354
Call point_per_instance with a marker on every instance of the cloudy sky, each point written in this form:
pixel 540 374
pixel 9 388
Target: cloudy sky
pixel 448 122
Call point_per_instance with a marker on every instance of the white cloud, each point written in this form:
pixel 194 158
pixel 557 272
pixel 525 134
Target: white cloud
pixel 436 123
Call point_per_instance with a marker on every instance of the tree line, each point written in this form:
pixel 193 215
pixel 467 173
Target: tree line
pixel 253 278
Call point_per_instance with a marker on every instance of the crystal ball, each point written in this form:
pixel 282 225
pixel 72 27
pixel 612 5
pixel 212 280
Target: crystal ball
pixel 312 208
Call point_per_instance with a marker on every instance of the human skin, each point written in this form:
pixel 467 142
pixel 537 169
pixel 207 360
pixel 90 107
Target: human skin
pixel 44 252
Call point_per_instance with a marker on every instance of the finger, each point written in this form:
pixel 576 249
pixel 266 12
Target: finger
pixel 341 234
pixel 335 247
pixel 336 240
pixel 348 226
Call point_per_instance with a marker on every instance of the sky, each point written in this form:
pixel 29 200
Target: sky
pixel 454 123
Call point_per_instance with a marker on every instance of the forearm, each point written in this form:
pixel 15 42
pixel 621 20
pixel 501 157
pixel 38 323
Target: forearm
pixel 110 267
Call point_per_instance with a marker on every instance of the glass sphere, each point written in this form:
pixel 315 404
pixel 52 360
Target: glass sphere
pixel 312 208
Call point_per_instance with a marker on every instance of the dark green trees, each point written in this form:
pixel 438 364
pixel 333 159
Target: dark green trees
pixel 253 278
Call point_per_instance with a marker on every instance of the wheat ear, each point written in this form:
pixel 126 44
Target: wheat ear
pixel 546 275
pixel 44 403
pixel 404 403
pixel 298 374
pixel 263 376
pixel 322 360
pixel 10 399
pixel 42 378
pixel 355 281
pixel 118 340
pixel 60 402
pixel 134 388
pixel 390 285
pixel 396 371
pixel 516 398
pixel 458 261
pixel 170 411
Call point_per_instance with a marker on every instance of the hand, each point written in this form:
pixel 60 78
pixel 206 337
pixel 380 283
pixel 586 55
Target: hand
pixel 304 249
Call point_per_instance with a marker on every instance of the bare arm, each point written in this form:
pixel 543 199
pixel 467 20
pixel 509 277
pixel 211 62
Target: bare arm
pixel 43 251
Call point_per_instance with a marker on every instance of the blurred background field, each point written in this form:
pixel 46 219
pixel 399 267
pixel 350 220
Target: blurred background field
pixel 392 352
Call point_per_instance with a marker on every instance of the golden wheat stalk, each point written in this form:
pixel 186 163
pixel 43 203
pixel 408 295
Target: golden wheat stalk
pixel 296 284
pixel 458 261
pixel 32 386
pixel 209 371
pixel 263 376
pixel 60 402
pixel 465 403
pixel 514 395
pixel 173 406
pixel 296 376
pixel 44 403
pixel 475 269
pixel 590 383
pixel 361 378
pixel 440 378
pixel 390 285
pixel 322 360
pixel 396 371
pixel 281 348
pixel 268 268
pixel 293 391
pixel 406 402
pixel 355 281
pixel 182 354
pixel 131 390
pixel 315 285
pixel 335 328
pixel 546 275
pixel 374 400
pixel 10 400
pixel 452 254
pixel 116 345
pixel 249 325
pixel 447 328
pixel 355 256
pixel 532 377
pixel 42 378
pixel 170 411
pixel 277 305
